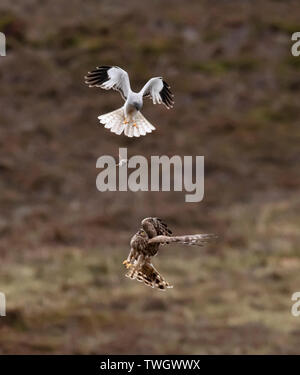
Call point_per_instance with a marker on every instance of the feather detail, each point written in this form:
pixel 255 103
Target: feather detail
pixel 150 276
pixel 194 239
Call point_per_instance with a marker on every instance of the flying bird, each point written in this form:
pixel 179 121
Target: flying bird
pixel 146 243
pixel 128 118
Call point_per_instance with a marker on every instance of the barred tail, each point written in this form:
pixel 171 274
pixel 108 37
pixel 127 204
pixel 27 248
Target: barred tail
pixel 193 239
pixel 150 276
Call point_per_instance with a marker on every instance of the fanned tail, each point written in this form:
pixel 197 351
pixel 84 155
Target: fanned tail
pixel 114 121
pixel 150 276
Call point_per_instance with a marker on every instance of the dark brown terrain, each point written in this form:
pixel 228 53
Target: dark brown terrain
pixel 62 242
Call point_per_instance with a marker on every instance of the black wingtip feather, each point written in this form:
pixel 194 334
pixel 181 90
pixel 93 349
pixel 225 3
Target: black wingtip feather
pixel 166 95
pixel 97 77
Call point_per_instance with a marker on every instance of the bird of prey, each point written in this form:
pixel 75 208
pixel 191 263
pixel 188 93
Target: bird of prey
pixel 146 243
pixel 128 118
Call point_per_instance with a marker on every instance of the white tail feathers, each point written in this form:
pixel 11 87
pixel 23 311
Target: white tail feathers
pixel 137 126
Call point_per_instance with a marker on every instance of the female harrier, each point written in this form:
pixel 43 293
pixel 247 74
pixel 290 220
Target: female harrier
pixel 129 118
pixel 146 243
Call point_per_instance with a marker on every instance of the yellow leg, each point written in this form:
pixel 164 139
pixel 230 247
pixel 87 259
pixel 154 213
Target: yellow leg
pixel 127 264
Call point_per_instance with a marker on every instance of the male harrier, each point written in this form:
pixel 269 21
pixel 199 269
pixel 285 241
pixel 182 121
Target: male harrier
pixel 146 243
pixel 129 118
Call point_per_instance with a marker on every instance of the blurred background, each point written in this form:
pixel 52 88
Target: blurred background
pixel 62 242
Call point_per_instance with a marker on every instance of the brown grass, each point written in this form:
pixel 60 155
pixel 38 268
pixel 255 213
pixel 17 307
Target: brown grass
pixel 62 242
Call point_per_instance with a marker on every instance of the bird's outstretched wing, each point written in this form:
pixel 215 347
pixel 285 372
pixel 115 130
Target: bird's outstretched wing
pixel 150 276
pixel 159 91
pixel 161 227
pixel 193 239
pixel 109 77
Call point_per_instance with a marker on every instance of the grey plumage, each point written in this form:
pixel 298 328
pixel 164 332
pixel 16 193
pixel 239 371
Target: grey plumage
pixel 128 118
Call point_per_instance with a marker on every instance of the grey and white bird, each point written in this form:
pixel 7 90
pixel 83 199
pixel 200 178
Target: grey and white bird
pixel 128 118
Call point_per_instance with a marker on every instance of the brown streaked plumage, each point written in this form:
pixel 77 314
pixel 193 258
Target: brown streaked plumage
pixel 145 244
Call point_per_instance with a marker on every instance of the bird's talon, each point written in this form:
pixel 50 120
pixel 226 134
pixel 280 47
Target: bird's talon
pixel 127 264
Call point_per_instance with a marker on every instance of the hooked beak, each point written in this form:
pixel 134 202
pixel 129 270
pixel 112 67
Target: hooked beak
pixel 137 106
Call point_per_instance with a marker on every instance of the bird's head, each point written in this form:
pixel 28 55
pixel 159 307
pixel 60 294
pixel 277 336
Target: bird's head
pixel 142 233
pixel 138 105
pixel 148 226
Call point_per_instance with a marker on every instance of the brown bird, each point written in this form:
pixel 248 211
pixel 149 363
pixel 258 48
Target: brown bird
pixel 145 244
